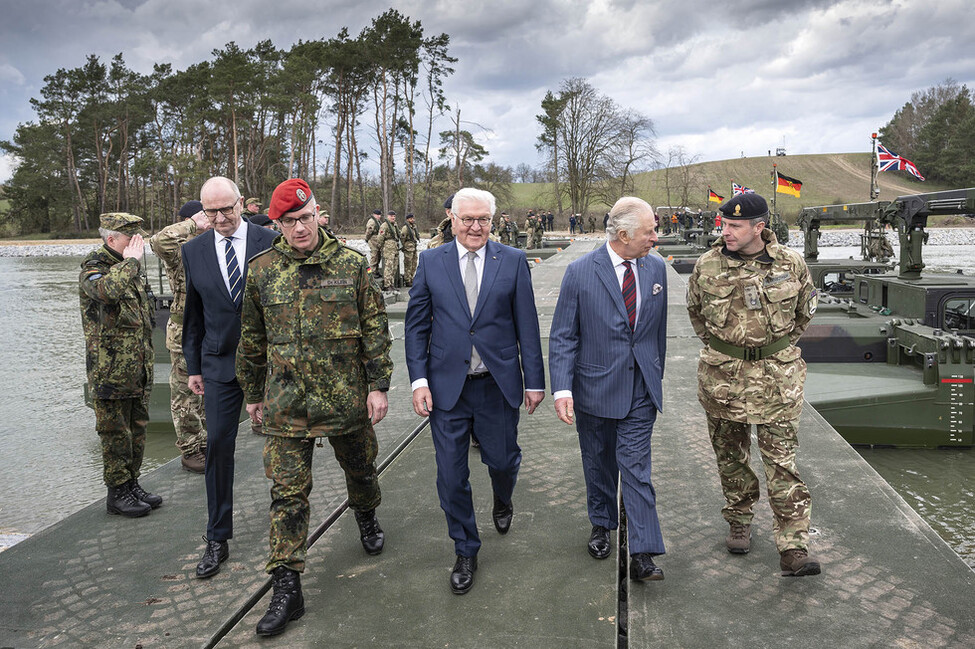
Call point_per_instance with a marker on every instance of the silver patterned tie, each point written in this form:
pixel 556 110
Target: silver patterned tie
pixel 470 285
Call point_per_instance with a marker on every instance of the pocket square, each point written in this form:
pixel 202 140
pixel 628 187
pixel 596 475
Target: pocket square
pixel 657 288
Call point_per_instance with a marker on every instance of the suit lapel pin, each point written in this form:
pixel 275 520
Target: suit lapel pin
pixel 657 288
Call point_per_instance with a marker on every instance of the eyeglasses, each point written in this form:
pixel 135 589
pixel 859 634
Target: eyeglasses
pixel 226 211
pixel 304 219
pixel 483 221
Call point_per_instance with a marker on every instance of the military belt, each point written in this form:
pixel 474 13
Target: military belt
pixel 749 353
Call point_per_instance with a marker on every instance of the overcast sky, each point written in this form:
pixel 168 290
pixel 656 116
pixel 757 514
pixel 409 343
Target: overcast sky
pixel 719 79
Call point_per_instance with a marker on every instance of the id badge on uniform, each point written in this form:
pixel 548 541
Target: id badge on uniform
pixel 752 300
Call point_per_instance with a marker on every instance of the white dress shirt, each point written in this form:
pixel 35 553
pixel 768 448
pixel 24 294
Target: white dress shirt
pixel 240 249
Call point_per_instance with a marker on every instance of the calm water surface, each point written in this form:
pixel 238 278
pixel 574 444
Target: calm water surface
pixel 51 456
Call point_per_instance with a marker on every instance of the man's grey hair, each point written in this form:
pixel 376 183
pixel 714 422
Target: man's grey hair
pixel 225 181
pixel 471 195
pixel 106 233
pixel 625 216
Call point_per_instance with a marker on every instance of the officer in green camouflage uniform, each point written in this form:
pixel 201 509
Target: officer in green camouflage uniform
pixel 389 245
pixel 313 361
pixel 117 310
pixel 372 231
pixel 749 300
pixel 410 237
pixel 186 407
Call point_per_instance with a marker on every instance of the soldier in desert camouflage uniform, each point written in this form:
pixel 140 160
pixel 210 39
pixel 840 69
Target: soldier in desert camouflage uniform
pixel 749 300
pixel 117 316
pixel 389 245
pixel 313 361
pixel 373 224
pixel 410 237
pixel 186 407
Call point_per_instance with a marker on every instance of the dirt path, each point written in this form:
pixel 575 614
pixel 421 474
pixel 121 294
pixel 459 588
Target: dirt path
pixel 885 182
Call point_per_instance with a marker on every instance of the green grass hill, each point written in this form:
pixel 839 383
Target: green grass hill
pixel 827 179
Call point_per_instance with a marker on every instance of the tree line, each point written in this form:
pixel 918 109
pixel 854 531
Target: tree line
pixel 936 131
pixel 107 138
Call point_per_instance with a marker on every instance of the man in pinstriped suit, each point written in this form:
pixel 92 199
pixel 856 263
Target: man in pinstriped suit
pixel 606 361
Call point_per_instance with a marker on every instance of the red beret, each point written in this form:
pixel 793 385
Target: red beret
pixel 291 195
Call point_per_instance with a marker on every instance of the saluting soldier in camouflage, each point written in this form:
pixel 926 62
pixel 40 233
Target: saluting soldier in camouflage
pixel 411 239
pixel 117 311
pixel 186 406
pixel 749 299
pixel 313 361
pixel 372 231
pixel 388 242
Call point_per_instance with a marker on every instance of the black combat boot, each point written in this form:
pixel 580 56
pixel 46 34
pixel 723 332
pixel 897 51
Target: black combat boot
pixel 150 499
pixel 370 533
pixel 123 502
pixel 287 602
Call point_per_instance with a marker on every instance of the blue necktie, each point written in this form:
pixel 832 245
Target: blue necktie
pixel 233 272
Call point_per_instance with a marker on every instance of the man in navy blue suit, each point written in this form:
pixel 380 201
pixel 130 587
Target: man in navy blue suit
pixel 216 268
pixel 471 312
pixel 606 361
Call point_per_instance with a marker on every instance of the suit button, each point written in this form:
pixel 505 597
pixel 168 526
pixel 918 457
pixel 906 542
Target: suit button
pixel 467 362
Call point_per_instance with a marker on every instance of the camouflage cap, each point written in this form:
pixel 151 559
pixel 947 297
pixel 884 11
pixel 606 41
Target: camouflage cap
pixel 123 223
pixel 253 200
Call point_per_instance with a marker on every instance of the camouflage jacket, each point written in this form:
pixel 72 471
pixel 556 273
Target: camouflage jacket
pixel 445 234
pixel 116 315
pixel 784 301
pixel 166 244
pixel 388 235
pixel 372 228
pixel 314 339
pixel 410 236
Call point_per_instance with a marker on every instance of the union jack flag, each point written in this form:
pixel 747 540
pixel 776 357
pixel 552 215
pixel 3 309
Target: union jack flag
pixel 740 189
pixel 887 160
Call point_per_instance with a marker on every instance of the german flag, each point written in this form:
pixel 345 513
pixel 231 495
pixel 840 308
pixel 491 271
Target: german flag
pixel 786 185
pixel 714 198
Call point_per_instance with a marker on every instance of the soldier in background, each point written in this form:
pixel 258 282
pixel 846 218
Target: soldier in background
pixel 252 207
pixel 592 223
pixel 117 310
pixel 372 229
pixel 445 232
pixel 530 224
pixel 323 223
pixel 504 229
pixel 389 245
pixel 539 230
pixel 342 347
pixel 263 221
pixel 749 300
pixel 410 237
pixel 189 419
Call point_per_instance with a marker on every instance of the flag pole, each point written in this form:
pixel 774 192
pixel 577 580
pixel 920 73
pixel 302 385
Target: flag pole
pixel 874 180
pixel 775 185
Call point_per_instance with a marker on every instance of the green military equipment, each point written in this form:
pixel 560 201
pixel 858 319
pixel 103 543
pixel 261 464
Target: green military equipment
pixel 893 362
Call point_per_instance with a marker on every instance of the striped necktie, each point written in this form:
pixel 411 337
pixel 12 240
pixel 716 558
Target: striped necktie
pixel 629 293
pixel 233 272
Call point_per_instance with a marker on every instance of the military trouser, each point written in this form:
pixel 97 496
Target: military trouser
pixel 390 264
pixel 788 494
pixel 121 426
pixel 374 254
pixel 187 408
pixel 287 462
pixel 409 266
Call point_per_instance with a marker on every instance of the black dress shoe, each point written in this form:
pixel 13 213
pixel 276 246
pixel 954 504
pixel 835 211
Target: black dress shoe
pixel 215 553
pixel 462 578
pixel 599 546
pixel 372 536
pixel 502 516
pixel 642 568
pixel 287 602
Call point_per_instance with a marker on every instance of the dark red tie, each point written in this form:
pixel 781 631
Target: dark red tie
pixel 629 293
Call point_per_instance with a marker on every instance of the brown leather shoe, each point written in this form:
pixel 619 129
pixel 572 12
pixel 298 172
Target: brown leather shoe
pixel 194 462
pixel 739 539
pixel 798 563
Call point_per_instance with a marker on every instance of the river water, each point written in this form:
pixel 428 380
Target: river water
pixel 51 455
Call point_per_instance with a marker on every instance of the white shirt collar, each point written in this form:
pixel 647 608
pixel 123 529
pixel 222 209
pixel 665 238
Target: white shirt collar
pixel 616 259
pixel 239 234
pixel 462 251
